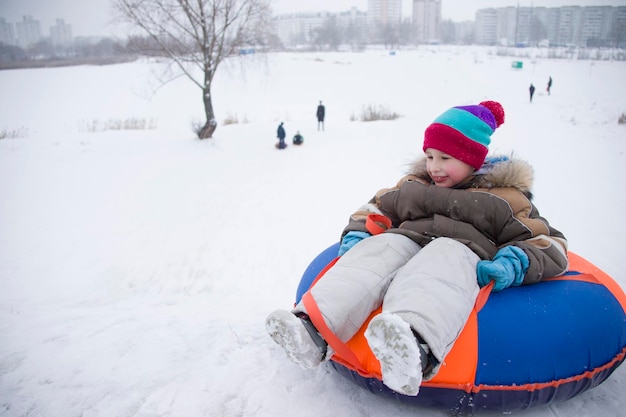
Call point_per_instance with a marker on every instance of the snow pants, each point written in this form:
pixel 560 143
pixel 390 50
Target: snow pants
pixel 433 288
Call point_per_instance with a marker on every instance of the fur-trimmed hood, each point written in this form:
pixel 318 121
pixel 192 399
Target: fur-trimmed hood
pixel 497 171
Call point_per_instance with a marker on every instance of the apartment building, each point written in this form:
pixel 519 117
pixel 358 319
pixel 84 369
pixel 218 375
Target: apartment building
pixel 384 12
pixel 426 20
pixel 561 26
pixel 61 33
pixel 7 32
pixel 508 26
pixel 304 28
pixel 28 32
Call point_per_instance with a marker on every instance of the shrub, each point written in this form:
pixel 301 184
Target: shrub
pixel 371 113
pixel 12 134
pixel 231 119
pixel 118 124
pixel 196 126
pixel 622 119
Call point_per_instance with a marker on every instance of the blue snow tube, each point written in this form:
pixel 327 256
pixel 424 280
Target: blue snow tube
pixel 562 337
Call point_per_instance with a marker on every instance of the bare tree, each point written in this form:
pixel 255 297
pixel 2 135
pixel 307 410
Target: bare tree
pixel 198 35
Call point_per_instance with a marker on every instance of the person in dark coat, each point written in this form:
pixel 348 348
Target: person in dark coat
pixel 532 91
pixel 280 134
pixel 549 85
pixel 321 113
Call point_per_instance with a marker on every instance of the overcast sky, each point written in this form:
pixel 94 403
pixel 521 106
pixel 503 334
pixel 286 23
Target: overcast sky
pixel 93 17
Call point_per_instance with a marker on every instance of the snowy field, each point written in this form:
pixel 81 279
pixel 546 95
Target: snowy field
pixel 137 266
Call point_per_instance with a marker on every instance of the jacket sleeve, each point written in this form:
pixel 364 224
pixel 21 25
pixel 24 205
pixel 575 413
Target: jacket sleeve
pixel 547 256
pixel 546 247
pixel 357 219
pixel 375 206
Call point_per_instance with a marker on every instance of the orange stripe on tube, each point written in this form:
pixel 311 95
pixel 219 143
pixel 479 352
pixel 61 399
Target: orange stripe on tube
pixel 577 263
pixel 460 364
pixel 320 324
pixel 369 365
pixel 553 384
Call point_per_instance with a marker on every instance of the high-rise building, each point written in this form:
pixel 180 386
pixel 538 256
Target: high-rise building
pixel 506 26
pixel 486 27
pixel 384 12
pixel 427 20
pixel 61 33
pixel 383 19
pixel 596 24
pixel 7 33
pixel 557 26
pixel 28 32
pixel 570 20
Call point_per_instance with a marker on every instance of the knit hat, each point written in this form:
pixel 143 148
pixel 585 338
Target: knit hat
pixel 464 132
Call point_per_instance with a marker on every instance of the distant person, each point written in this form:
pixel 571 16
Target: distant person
pixel 321 113
pixel 549 85
pixel 531 89
pixel 280 134
pixel 298 139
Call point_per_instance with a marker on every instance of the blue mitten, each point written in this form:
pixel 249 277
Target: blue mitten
pixel 351 239
pixel 507 268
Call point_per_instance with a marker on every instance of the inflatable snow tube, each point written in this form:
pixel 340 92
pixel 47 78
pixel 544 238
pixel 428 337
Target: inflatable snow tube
pixel 563 336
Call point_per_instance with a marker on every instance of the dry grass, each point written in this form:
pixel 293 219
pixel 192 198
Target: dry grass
pixel 372 112
pixel 131 123
pixel 232 119
pixel 22 132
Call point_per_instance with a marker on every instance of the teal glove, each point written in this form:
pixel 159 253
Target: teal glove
pixel 351 239
pixel 506 269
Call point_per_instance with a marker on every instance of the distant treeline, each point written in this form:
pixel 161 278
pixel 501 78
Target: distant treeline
pixel 111 51
pixel 45 54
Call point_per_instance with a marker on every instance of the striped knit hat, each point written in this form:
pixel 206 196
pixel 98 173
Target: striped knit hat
pixel 464 132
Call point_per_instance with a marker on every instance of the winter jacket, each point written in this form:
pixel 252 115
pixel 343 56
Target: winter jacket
pixel 490 210
pixel 280 132
pixel 321 112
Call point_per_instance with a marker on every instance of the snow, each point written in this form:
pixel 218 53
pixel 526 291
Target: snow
pixel 137 266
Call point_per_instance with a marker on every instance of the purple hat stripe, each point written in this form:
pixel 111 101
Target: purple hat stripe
pixel 482 113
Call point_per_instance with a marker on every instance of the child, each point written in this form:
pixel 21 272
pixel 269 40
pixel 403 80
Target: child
pixel 298 139
pixel 458 223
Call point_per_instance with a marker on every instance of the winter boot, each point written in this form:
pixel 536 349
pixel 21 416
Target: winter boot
pixel 397 349
pixel 298 337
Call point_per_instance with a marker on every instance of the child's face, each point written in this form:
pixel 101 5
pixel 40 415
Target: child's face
pixel 445 170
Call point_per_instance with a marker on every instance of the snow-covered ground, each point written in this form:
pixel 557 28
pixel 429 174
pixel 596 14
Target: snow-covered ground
pixel 137 266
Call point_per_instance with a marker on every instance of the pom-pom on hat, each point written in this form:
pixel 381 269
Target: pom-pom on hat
pixel 464 132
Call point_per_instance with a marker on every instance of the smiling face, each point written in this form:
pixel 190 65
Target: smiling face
pixel 445 170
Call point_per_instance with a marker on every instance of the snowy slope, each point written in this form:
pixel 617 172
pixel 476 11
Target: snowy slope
pixel 137 266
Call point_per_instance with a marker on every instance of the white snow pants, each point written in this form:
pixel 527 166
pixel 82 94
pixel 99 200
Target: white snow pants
pixel 432 288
